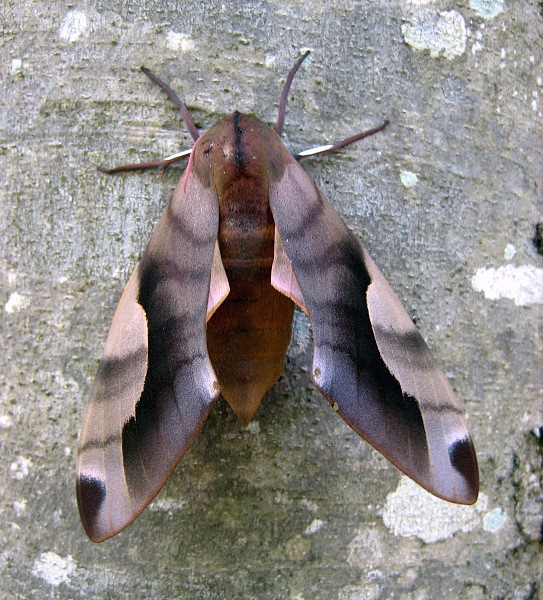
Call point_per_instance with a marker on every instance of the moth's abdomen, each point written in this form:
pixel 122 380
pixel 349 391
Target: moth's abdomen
pixel 248 335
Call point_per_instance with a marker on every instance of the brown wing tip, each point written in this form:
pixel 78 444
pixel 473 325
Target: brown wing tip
pixel 458 484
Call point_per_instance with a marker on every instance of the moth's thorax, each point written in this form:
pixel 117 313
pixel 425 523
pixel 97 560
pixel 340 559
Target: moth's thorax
pixel 238 156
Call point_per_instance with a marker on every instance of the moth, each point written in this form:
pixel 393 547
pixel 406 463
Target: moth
pixel 208 310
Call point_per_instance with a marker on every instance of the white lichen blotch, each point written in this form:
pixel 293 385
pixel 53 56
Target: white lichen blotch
pixel 269 61
pixel 54 569
pixel 16 302
pixel 17 66
pixel 409 179
pixel 443 34
pixel 313 527
pixel 20 468
pixel 19 507
pixel 411 511
pixel 5 421
pixel 167 505
pixel 523 285
pixel 494 520
pixel 509 251
pixel 487 9
pixel 253 427
pixel 179 42
pixel 74 25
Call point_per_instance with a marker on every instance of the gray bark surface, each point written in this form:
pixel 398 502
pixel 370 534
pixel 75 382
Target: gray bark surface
pixel 297 506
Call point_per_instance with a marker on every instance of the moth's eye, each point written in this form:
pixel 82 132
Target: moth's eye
pixel 207 147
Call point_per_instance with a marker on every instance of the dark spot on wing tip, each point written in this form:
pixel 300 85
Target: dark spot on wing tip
pixel 538 238
pixel 461 453
pixel 463 459
pixel 91 492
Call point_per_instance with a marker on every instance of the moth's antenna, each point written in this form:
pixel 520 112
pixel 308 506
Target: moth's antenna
pixel 284 93
pixel 177 101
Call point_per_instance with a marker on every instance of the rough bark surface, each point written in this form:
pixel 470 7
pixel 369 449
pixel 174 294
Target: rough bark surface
pixel 446 200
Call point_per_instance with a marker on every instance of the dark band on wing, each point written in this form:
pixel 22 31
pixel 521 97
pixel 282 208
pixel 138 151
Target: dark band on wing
pixel 155 273
pixel 100 443
pixel 186 231
pixel 116 373
pixel 156 438
pixel 410 342
pixel 311 216
pixel 444 408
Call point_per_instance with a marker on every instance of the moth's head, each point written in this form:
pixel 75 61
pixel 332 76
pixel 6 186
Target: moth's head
pixel 239 150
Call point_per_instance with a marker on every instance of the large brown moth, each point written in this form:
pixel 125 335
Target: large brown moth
pixel 245 236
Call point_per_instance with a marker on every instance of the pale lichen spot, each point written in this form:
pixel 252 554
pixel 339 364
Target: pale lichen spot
pixel 54 569
pixel 16 302
pixel 253 427
pixel 494 520
pixel 20 468
pixel 269 61
pixel 5 421
pixel 487 9
pixel 408 179
pixel 167 505
pixel 17 66
pixel 19 507
pixel 179 42
pixel 444 34
pixel 74 25
pixel 509 251
pixel 313 527
pixel 523 285
pixel 411 511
